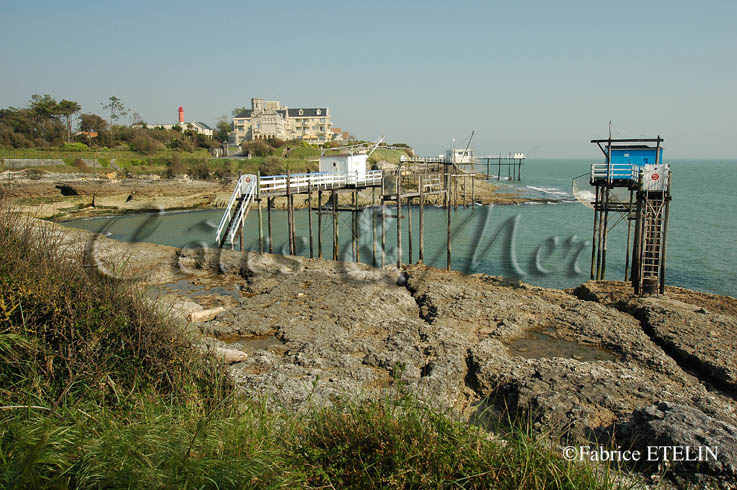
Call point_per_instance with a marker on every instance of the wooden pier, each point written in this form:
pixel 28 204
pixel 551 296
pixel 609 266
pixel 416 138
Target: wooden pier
pixel 407 186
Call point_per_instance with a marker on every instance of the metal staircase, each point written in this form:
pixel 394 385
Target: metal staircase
pixel 237 209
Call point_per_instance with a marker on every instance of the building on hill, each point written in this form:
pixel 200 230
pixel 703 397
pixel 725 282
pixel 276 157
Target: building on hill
pixel 268 119
pixel 197 126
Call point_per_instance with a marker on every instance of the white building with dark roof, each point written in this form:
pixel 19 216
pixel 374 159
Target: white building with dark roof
pixel 269 119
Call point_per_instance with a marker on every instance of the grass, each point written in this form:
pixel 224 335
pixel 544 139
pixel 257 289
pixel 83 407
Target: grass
pixel 100 389
pixel 391 156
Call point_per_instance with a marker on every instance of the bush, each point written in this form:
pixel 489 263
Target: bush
pixel 68 329
pixel 80 164
pixel 272 166
pixel 175 167
pixel 143 143
pixel 76 146
pixel 257 148
pixel 200 171
pixel 222 174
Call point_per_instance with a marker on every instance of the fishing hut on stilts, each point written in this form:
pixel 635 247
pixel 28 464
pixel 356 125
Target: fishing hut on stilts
pixel 634 183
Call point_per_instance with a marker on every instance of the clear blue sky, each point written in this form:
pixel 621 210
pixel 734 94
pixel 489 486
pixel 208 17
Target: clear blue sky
pixel 542 77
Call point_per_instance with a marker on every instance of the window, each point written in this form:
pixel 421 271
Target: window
pixel 318 112
pixel 301 112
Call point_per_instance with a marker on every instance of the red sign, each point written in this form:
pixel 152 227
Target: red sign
pixel 656 176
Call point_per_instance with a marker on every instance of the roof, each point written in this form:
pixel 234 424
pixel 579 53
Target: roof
pixel 203 125
pixel 306 112
pixel 634 147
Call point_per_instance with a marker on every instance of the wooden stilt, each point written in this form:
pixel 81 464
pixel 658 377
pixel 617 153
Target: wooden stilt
pixel 455 193
pixel 383 233
pixel 336 243
pixel 421 257
pixel 473 194
pixel 594 270
pixel 319 223
pixel 269 205
pixel 465 194
pixel 629 231
pixel 409 230
pixel 353 227
pixel 357 235
pixel 260 220
pixel 309 211
pixel 399 222
pixel 448 261
pixel 290 210
pixel 373 226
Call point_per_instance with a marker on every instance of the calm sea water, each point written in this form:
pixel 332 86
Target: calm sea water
pixel 544 244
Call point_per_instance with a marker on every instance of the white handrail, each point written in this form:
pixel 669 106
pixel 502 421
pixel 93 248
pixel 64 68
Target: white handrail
pixel 614 171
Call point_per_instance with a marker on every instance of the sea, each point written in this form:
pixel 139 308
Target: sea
pixel 546 242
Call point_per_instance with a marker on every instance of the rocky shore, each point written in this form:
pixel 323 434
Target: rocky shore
pixel 594 365
pixel 74 195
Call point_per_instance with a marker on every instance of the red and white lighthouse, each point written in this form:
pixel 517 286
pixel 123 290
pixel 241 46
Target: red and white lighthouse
pixel 181 114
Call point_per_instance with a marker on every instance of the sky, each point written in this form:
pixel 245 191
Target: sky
pixel 540 77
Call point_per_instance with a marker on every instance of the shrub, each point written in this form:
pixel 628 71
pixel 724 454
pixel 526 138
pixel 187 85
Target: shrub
pixel 175 167
pixel 80 164
pixel 272 166
pixel 67 328
pixel 143 143
pixel 257 148
pixel 200 171
pixel 76 146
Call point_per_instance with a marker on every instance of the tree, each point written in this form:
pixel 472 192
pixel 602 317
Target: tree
pixel 45 111
pixel 117 109
pixel 92 122
pixel 68 108
pixel 137 120
pixel 222 130
pixel 238 110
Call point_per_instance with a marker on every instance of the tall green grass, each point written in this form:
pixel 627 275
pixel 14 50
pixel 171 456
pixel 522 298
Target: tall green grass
pixel 99 390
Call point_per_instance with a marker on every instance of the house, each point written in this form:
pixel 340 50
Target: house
pixel 197 126
pixel 268 119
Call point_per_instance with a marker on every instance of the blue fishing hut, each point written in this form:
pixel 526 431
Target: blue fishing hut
pixel 624 162
pixel 638 167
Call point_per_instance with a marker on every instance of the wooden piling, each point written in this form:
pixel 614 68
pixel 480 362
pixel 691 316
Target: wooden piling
pixel 629 231
pixel 473 193
pixel 409 230
pixel 319 223
pixel 309 210
pixel 448 239
pixel 353 226
pixel 399 221
pixel 260 219
pixel 373 226
pixel 357 234
pixel 465 194
pixel 596 232
pixel 383 232
pixel 290 210
pixel 422 222
pixel 269 204
pixel 336 243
